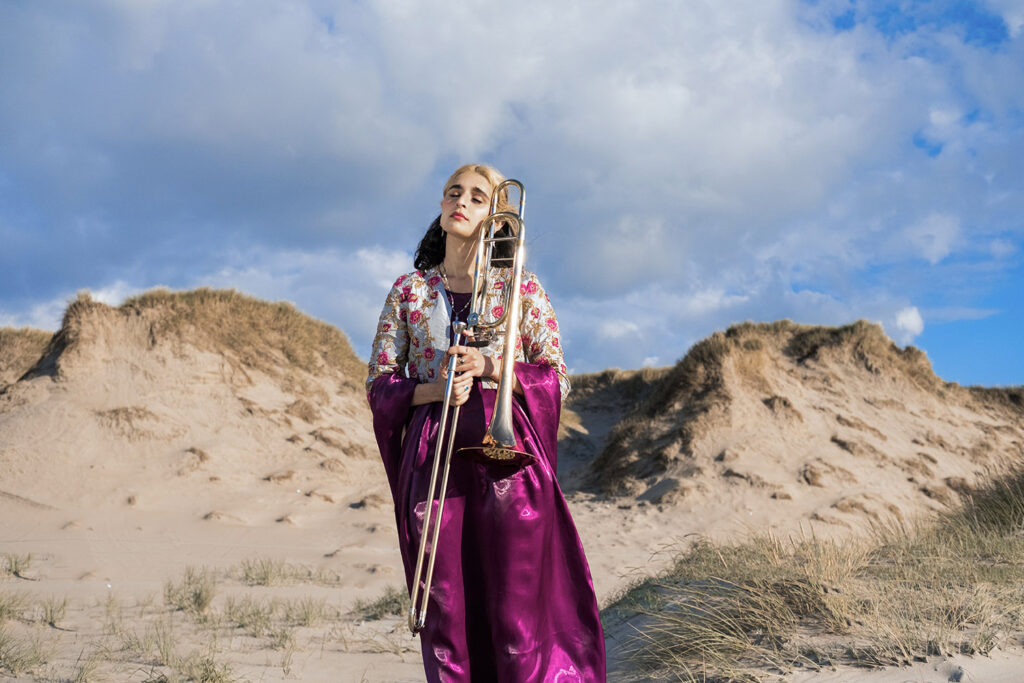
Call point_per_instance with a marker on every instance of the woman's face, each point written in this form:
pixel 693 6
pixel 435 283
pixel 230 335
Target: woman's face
pixel 465 203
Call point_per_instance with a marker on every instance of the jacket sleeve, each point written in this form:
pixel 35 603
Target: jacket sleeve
pixel 540 336
pixel 391 343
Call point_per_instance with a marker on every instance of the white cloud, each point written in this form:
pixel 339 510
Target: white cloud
pixel 44 315
pixel 909 324
pixel 1012 12
pixel 617 329
pixel 114 294
pixel 935 236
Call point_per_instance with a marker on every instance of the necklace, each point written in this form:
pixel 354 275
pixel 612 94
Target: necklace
pixel 451 301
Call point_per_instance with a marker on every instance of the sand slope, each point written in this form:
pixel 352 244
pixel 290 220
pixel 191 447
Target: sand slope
pixel 800 424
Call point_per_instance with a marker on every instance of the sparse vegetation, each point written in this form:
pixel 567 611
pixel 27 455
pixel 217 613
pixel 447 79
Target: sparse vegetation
pixel 157 647
pixel 268 571
pixel 253 616
pixel 22 655
pixel 18 565
pixel 393 602
pixel 21 348
pixel 739 610
pixel 11 605
pixel 53 610
pixel 305 611
pixel 262 617
pixel 87 668
pixel 194 593
pixel 265 571
pixel 204 668
pixel 259 332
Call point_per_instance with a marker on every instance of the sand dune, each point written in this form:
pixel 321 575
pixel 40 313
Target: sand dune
pixel 807 424
pixel 212 430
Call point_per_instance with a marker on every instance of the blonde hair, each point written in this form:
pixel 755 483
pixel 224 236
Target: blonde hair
pixel 493 176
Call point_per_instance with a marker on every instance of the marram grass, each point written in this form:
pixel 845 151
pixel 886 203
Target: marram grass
pixel 757 609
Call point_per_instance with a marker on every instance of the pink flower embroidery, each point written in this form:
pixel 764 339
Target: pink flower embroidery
pixel 562 368
pixel 433 281
pixel 382 358
pixel 519 343
pixel 414 317
pixel 385 327
pixel 399 281
pixel 543 362
pixel 420 273
pixel 554 342
pixel 428 353
pixel 402 314
pixel 534 349
pixel 552 324
pixel 499 284
pixel 528 287
pixel 433 294
pixel 497 311
pixel 535 312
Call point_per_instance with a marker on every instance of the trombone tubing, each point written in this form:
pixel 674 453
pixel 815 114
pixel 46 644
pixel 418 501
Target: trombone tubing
pixel 418 614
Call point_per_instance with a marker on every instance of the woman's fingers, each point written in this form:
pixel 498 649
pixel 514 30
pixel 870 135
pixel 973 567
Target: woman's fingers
pixel 470 360
pixel 460 393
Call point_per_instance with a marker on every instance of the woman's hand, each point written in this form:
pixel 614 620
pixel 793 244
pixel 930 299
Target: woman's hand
pixel 470 363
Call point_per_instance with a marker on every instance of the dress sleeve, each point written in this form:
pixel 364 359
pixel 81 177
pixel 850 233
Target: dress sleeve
pixel 541 338
pixel 391 343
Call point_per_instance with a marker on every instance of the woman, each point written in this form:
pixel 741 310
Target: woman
pixel 512 599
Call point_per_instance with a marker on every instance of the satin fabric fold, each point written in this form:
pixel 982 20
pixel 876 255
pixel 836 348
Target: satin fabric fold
pixel 512 597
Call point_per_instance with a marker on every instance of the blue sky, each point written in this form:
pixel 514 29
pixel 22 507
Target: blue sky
pixel 689 165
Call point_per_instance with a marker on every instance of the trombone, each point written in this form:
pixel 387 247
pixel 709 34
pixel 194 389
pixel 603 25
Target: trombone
pixel 499 442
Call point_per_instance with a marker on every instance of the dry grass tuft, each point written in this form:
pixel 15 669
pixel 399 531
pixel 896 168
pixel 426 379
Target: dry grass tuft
pixel 194 593
pixel 265 571
pixel 53 610
pixel 737 611
pixel 305 611
pixel 393 602
pixel 255 617
pixel 20 348
pixel 17 565
pixel 268 571
pixel 12 605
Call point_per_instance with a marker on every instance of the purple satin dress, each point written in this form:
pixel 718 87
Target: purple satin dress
pixel 512 598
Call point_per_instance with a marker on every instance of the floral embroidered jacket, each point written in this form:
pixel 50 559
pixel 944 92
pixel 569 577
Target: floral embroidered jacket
pixel 412 333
